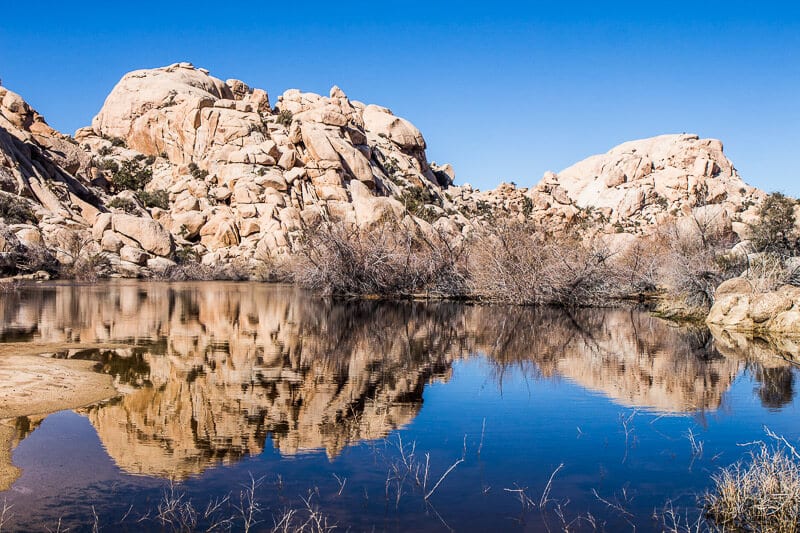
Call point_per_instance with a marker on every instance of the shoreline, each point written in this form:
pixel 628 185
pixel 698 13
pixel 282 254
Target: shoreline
pixel 36 385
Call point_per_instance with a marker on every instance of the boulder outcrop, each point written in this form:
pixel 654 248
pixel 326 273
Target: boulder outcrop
pixel 216 173
pixel 739 307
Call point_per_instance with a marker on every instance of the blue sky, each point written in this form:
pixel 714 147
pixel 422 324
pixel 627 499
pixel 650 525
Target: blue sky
pixel 503 91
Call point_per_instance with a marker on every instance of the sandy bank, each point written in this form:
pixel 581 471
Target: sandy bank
pixel 39 385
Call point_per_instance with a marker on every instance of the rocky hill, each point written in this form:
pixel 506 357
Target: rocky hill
pixel 180 164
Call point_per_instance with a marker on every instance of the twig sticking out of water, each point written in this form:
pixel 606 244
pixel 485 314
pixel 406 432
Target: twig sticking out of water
pixel 483 433
pixel 5 513
pixel 782 439
pixel 342 482
pixel 616 505
pixel 521 494
pixel 546 493
pixel 696 446
pixel 248 507
pixel 436 486
pixel 627 427
pixel 673 522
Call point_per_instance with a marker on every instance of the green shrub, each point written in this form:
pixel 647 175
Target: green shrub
pixel 285 118
pixel 126 205
pixel 130 176
pixel 417 200
pixel 774 231
pixel 197 172
pixel 527 206
pixel 107 164
pixel 15 210
pixel 117 141
pixel 186 254
pixel 158 198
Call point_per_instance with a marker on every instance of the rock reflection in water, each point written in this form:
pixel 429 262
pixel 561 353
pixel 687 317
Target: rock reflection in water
pixel 216 368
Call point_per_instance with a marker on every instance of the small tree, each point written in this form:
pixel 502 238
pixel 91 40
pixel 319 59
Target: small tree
pixel 775 232
pixel 130 176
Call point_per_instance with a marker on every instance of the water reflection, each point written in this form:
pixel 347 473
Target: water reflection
pixel 12 432
pixel 215 369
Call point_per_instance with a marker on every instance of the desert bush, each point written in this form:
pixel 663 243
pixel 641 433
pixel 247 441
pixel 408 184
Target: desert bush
pixel 35 258
pixel 130 176
pixel 81 258
pixel 417 201
pixel 694 257
pixel 158 198
pixel 15 210
pixel 761 494
pixel 285 118
pixel 18 258
pixel 125 204
pixel 197 172
pixel 195 271
pixel 89 267
pixel 775 230
pixel 389 259
pixel 520 262
pixel 766 272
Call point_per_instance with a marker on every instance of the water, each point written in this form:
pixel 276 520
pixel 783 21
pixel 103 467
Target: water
pixel 220 383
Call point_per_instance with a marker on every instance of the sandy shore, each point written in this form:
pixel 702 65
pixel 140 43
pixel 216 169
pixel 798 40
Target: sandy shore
pixel 37 385
pixel 34 385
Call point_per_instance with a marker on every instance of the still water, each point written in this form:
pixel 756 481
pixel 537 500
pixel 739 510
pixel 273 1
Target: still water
pixel 336 410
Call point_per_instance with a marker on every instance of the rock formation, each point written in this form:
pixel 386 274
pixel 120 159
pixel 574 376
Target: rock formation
pixel 631 189
pixel 739 307
pixel 230 179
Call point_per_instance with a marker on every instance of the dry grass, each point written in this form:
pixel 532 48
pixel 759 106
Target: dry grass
pixel 759 494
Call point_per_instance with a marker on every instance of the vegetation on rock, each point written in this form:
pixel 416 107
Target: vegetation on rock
pixel 15 210
pixel 130 176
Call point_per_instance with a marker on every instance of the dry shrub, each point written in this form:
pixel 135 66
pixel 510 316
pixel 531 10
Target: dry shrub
pixel 767 272
pixel 82 258
pixel 521 263
pixel 195 271
pixel 762 494
pixel 389 259
pixel 688 259
pixel 18 258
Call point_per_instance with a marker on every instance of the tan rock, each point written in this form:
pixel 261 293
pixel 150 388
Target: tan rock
pixel 133 255
pixel 381 122
pixel 150 235
pixel 769 305
pixel 219 232
pixel 188 224
pixel 111 242
pixel 733 286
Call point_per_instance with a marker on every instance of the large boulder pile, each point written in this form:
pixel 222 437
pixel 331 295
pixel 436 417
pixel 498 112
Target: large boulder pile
pixel 179 164
pixel 244 178
pixel 49 201
pixel 631 189
pixel 739 307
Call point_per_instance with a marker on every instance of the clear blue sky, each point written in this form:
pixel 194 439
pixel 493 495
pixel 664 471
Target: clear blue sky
pixel 504 91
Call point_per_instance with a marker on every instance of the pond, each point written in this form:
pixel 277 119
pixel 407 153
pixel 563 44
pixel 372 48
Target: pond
pixel 281 406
